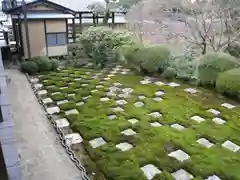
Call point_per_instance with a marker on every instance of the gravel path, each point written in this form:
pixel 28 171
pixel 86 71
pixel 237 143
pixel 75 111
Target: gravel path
pixel 42 156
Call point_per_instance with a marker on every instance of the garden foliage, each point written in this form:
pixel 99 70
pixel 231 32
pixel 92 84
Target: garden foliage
pixel 29 67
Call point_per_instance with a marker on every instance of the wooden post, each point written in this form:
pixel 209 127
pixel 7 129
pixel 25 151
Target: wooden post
pixel 24 10
pixel 80 21
pixel 94 19
pixel 113 19
pixel 73 30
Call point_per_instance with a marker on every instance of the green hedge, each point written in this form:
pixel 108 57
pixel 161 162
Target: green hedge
pixel 29 67
pixel 229 83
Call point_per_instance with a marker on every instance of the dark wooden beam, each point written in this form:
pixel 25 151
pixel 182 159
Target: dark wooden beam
pixel 73 30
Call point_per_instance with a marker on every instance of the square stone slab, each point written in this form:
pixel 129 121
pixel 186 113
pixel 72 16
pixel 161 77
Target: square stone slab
pixel 53 110
pixel 62 102
pixel 112 116
pixel 159 83
pixel 178 127
pixel 158 99
pixel 47 101
pixel 121 102
pixel 84 85
pixel 138 104
pixel 127 90
pixel 155 124
pixel 231 146
pixel 55 93
pixel 86 97
pixel 181 174
pixel 71 95
pixel 173 84
pixel 179 155
pixel 61 123
pixel 110 75
pixel 204 142
pixel 38 86
pixel 150 171
pixel 141 97
pixel 218 121
pixel 93 91
pixel 63 88
pixel 191 90
pixel 227 105
pixel 104 99
pixel 125 95
pixel 114 89
pixel 80 103
pixel 214 177
pixel 214 111
pixel 145 82
pixel 97 142
pixel 34 80
pixel 118 109
pixel 78 79
pixel 155 114
pixel 113 72
pixel 198 119
pixel 99 86
pixel 128 132
pixel 42 92
pixel 133 121
pixel 117 84
pixel 73 138
pixel 72 111
pixel 159 93
pixel 107 79
pixel 111 94
pixel 124 146
pixel 124 72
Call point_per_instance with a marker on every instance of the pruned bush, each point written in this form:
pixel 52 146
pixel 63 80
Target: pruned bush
pixel 43 62
pixel 169 73
pixel 212 64
pixel 29 67
pixel 229 83
pixel 55 64
pixel 234 50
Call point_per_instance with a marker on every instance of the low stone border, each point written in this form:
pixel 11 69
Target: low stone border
pixel 60 135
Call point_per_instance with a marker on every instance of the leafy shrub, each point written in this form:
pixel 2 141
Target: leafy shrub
pixel 212 64
pixel 43 62
pixel 229 83
pixel 55 64
pixel 234 50
pixel 29 67
pixel 169 73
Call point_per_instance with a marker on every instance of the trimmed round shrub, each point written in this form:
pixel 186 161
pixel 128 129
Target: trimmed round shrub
pixel 29 67
pixel 212 64
pixel 229 83
pixel 43 62
pixel 169 73
pixel 55 64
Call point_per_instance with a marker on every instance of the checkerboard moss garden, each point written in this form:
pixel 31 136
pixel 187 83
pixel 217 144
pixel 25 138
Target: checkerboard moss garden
pixel 133 130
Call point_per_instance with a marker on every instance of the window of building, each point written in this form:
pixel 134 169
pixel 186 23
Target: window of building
pixel 56 39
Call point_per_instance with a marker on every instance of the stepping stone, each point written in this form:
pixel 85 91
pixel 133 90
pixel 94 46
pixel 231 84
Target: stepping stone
pixel 61 123
pixel 97 142
pixel 80 103
pixel 118 109
pixel 173 84
pixel 99 74
pixel 107 79
pixel 42 92
pixel 150 171
pixel 138 104
pixel 114 89
pixel 191 90
pixel 95 77
pixel 46 80
pixel 34 80
pixel 124 146
pixel 214 177
pixel 231 146
pixel 205 143
pixel 158 99
pixel 38 86
pixel 71 95
pixel 128 132
pixel 156 124
pixel 127 90
pixel 72 111
pixel 78 79
pixel 55 93
pixel 86 97
pixel 104 99
pixel 113 72
pixel 124 72
pixel 124 96
pixel 88 73
pixel 159 83
pixel 159 93
pixel 181 174
pixel 112 116
pixel 179 155
pixel 99 86
pixel 227 105
pixel 47 101
pixel 94 91
pixel 119 66
pixel 73 138
pixel 71 83
pixel 111 75
pixel 214 111
pixel 62 102
pixel 84 85
pixel 133 121
pixel 141 97
pixel 121 102
pixel 218 121
pixel 53 110
pixel 155 114
pixel 49 87
pixel 63 88
pixel 145 82
pixel 198 119
pixel 117 84
pixel 178 127
pixel 111 94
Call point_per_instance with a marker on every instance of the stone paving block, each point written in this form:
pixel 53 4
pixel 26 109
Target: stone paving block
pixel 141 97
pixel 138 104
pixel 214 112
pixel 227 105
pixel 71 94
pixel 97 142
pixel 159 93
pixel 55 93
pixel 118 109
pixel 72 111
pixel 63 88
pixel 107 79
pixel 128 132
pixel 124 72
pixel 173 84
pixel 53 110
pixel 78 79
pixel 112 116
pixel 94 91
pixel 214 177
pixel 110 75
pixel 104 99
pixel 38 86
pixel 113 72
pixel 191 90
pixel 218 121
pixel 231 146
pixel 145 82
pixel 117 84
pixel 159 83
pixel 61 123
pixel 62 102
pixel 150 171
pixel 121 102
pixel 84 85
pixel 86 97
pixel 80 103
pixel 181 174
pixel 34 80
pixel 158 99
pixel 124 146
pixel 204 142
pixel 111 94
pixel 155 114
pixel 114 89
pixel 125 95
pixel 179 155
pixel 47 101
pixel 99 86
pixel 127 90
pixel 73 138
pixel 155 124
pixel 198 119
pixel 133 121
pixel 178 127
